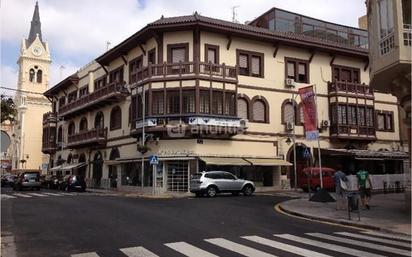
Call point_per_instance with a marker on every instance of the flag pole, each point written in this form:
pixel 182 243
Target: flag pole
pixel 317 123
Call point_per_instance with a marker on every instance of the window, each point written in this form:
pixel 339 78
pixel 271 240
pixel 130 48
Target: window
pixel 72 97
pixel 352 115
pixel 157 102
pixel 217 100
pixel 288 112
pixel 83 124
pixel 39 76
pixel 84 91
pixel 116 118
pixel 60 135
pixel 385 17
pixel 151 56
pixel 178 53
pixel 369 117
pixel 31 75
pixel 99 120
pixel 384 121
pixel 62 101
pixel 99 83
pixel 259 112
pixel 230 104
pixel 135 65
pixel 212 53
pixel 189 101
pixel 173 102
pixel 242 108
pixel 361 116
pixel 250 63
pixel 204 101
pixel 35 74
pixel 71 129
pixel 298 70
pixel 348 74
pixel 116 75
pixel 342 119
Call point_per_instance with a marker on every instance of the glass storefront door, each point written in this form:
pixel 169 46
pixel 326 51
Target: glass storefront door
pixel 177 176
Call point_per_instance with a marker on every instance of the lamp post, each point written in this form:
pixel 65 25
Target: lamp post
pixel 294 140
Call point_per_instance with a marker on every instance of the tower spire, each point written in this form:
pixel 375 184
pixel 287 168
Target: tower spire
pixel 35 27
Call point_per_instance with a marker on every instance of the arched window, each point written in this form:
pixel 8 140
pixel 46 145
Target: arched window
pixel 289 111
pixel 242 108
pixel 60 134
pixel 32 73
pixel 69 158
pixel 99 120
pixel 39 76
pixel 83 124
pixel 116 118
pixel 71 129
pixel 114 154
pixel 260 111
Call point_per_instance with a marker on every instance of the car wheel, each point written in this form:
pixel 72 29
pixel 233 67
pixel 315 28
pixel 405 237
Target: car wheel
pixel 247 190
pixel 211 191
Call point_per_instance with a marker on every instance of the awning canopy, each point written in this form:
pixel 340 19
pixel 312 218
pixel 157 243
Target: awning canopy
pixel 56 168
pixel 366 154
pixel 73 166
pixel 225 161
pixel 268 162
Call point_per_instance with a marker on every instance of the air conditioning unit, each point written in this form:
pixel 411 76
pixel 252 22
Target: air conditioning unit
pixel 244 123
pixel 325 124
pixel 290 83
pixel 289 126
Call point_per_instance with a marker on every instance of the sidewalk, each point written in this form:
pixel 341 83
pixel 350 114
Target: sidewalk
pixel 139 194
pixel 387 213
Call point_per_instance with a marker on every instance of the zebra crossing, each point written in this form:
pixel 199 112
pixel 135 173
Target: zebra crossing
pixel 12 195
pixel 320 245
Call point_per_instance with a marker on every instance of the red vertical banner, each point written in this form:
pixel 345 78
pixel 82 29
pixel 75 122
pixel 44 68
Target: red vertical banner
pixel 307 96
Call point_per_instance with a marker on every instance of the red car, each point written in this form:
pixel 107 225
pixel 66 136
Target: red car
pixel 311 175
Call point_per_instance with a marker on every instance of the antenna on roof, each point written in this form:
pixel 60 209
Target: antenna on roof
pixel 234 13
pixel 108 45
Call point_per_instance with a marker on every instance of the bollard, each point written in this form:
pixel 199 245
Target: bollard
pixel 385 184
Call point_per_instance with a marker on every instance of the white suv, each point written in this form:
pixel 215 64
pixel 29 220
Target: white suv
pixel 213 182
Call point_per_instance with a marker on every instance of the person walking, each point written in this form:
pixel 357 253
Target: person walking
pixel 339 177
pixel 364 186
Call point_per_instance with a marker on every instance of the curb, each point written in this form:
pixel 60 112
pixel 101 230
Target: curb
pixel 334 221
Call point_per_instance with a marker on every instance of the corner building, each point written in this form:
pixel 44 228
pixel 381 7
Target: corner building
pixel 212 94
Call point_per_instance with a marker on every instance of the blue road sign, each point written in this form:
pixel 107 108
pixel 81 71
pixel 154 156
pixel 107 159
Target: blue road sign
pixel 154 159
pixel 306 153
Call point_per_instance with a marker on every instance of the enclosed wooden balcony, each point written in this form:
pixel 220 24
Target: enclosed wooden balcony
pixel 49 118
pixel 184 70
pixel 109 94
pixel 95 138
pixel 354 132
pixel 349 89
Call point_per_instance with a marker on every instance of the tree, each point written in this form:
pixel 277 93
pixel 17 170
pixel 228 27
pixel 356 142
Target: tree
pixel 8 109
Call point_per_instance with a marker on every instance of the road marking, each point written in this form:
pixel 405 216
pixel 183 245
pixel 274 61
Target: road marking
pixel 386 241
pixel 7 196
pixel 189 250
pixel 284 247
pixel 36 194
pixel 399 237
pixel 22 195
pixel 91 254
pixel 66 194
pixel 138 252
pixel 363 244
pixel 238 248
pixel 331 247
pixel 53 194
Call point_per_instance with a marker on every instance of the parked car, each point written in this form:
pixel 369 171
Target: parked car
pixel 27 179
pixel 311 176
pixel 49 181
pixel 213 182
pixel 73 183
pixel 7 180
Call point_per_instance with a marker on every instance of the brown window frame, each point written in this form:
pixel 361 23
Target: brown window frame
pixel 204 93
pixel 296 63
pixel 170 47
pixel 191 107
pixel 248 108
pixel 116 118
pixel 250 55
pixel 81 123
pixel 100 82
pixel 72 96
pixel 113 73
pixel 215 48
pixel 134 66
pixel 151 52
pixel 266 106
pixel 84 91
pixel 386 115
pixel 337 72
pixel 174 93
pixel 296 113
pixel 62 101
pixel 71 128
pixel 158 94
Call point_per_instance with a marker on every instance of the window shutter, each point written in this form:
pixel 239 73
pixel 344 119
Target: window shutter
pixel 242 109
pixel 291 69
pixel 381 122
pixel 243 61
pixel 288 113
pixel 258 111
pixel 178 55
pixel 302 69
pixel 256 65
pixel 211 55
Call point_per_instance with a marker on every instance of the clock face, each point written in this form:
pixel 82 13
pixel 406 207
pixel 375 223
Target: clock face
pixel 37 50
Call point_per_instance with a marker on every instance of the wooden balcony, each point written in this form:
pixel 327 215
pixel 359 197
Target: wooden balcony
pixel 49 147
pixel 49 119
pixel 96 138
pixel 353 132
pixel 109 94
pixel 349 89
pixel 184 70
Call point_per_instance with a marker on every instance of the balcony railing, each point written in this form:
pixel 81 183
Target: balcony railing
pixel 407 34
pixel 96 136
pixel 337 87
pixel 171 70
pixel 49 117
pixel 110 93
pixel 353 131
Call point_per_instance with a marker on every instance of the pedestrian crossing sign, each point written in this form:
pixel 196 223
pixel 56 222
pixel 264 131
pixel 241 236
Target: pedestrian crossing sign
pixel 154 160
pixel 306 153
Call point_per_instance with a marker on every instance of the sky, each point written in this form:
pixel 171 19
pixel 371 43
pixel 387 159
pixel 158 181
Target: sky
pixel 77 30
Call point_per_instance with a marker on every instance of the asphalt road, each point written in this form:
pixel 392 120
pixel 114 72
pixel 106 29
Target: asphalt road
pixel 62 225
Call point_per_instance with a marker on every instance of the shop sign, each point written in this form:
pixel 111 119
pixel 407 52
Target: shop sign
pixel 214 122
pixel 147 123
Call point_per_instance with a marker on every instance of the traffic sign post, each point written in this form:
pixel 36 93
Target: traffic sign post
pixel 154 161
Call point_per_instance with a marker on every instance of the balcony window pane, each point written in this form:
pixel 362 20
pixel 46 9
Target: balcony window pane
pixel 157 103
pixel 381 122
pixel 406 11
pixel 361 116
pixel 242 109
pixel 204 101
pixel 388 121
pixel 291 70
pixel 385 16
pixel 189 101
pixel 173 102
pixel 230 104
pixel 307 30
pixel 211 55
pixel 302 72
pixel 369 117
pixel 217 102
pixel 178 54
pixel 256 65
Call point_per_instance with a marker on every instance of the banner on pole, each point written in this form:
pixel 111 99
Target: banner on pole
pixel 307 96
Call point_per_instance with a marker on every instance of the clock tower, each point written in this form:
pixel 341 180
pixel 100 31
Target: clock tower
pixel 33 80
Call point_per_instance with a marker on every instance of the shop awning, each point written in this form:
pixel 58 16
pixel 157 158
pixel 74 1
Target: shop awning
pixel 73 166
pixel 268 162
pixel 225 161
pixel 366 154
pixel 56 168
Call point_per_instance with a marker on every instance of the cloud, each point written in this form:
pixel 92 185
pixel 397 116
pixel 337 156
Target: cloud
pixel 8 78
pixel 77 30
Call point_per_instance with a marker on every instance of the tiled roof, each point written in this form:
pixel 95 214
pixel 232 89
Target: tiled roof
pixel 248 28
